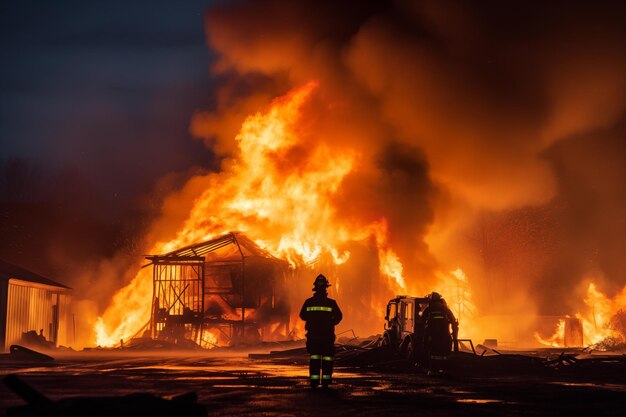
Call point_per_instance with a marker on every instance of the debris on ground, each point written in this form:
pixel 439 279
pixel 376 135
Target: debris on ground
pixel 132 405
pixel 19 353
pixel 482 360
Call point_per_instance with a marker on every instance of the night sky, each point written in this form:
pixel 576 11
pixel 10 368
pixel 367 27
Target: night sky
pixel 104 90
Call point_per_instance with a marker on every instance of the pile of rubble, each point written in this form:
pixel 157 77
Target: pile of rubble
pixel 479 361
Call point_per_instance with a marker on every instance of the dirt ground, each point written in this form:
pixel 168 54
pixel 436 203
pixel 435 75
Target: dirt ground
pixel 238 386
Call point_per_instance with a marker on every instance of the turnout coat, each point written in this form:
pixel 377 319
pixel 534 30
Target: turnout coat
pixel 321 315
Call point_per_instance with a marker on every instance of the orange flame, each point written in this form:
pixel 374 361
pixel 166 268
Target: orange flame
pixel 557 339
pixel 597 320
pixel 286 207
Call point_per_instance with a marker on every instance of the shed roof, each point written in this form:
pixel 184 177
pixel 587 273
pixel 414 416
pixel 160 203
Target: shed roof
pixel 230 246
pixel 8 271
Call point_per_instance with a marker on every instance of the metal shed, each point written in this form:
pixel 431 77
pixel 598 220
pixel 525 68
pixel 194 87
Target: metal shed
pixel 31 302
pixel 228 287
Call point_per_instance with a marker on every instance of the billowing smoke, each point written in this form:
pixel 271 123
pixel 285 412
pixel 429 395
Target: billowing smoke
pixel 491 135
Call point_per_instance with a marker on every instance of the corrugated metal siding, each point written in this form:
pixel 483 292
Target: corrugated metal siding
pixel 65 336
pixel 31 308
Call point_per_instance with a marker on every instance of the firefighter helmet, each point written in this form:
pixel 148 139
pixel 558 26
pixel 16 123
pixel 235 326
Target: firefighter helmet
pixel 434 296
pixel 320 282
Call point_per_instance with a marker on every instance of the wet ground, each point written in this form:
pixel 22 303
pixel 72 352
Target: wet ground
pixel 238 386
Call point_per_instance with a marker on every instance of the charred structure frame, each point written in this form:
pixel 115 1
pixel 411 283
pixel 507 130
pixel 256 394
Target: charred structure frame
pixel 227 284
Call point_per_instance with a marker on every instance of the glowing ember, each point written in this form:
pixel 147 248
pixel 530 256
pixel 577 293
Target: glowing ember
pixel 208 339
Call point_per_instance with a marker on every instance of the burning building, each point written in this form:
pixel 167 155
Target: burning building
pixel 30 302
pixel 225 289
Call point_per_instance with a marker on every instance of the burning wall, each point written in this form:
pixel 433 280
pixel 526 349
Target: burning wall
pixel 411 138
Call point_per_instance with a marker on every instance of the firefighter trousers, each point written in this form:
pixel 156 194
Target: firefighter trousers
pixel 321 369
pixel 439 347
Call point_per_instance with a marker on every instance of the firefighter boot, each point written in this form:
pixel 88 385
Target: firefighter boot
pixel 315 366
pixel 327 370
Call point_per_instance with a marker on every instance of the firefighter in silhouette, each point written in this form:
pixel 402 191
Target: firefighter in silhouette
pixel 437 338
pixel 321 315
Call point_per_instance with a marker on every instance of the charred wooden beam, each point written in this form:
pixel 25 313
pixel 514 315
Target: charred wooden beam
pixel 174 260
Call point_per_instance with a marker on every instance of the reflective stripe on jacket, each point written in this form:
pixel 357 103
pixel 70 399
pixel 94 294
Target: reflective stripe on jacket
pixel 321 315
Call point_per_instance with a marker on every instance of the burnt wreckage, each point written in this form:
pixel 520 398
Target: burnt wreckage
pixel 227 288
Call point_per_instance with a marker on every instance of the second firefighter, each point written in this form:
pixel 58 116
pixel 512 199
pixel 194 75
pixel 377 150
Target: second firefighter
pixel 438 319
